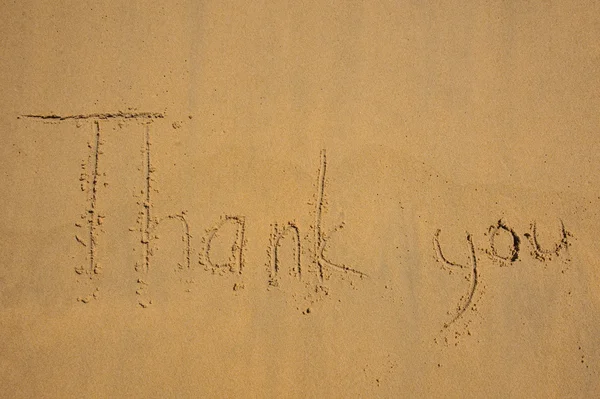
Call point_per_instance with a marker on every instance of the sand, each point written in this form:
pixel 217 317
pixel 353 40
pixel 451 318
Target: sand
pixel 299 199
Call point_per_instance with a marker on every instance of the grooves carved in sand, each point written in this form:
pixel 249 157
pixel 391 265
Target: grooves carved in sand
pixel 449 264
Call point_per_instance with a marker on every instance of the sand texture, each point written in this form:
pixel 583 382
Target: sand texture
pixel 229 199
